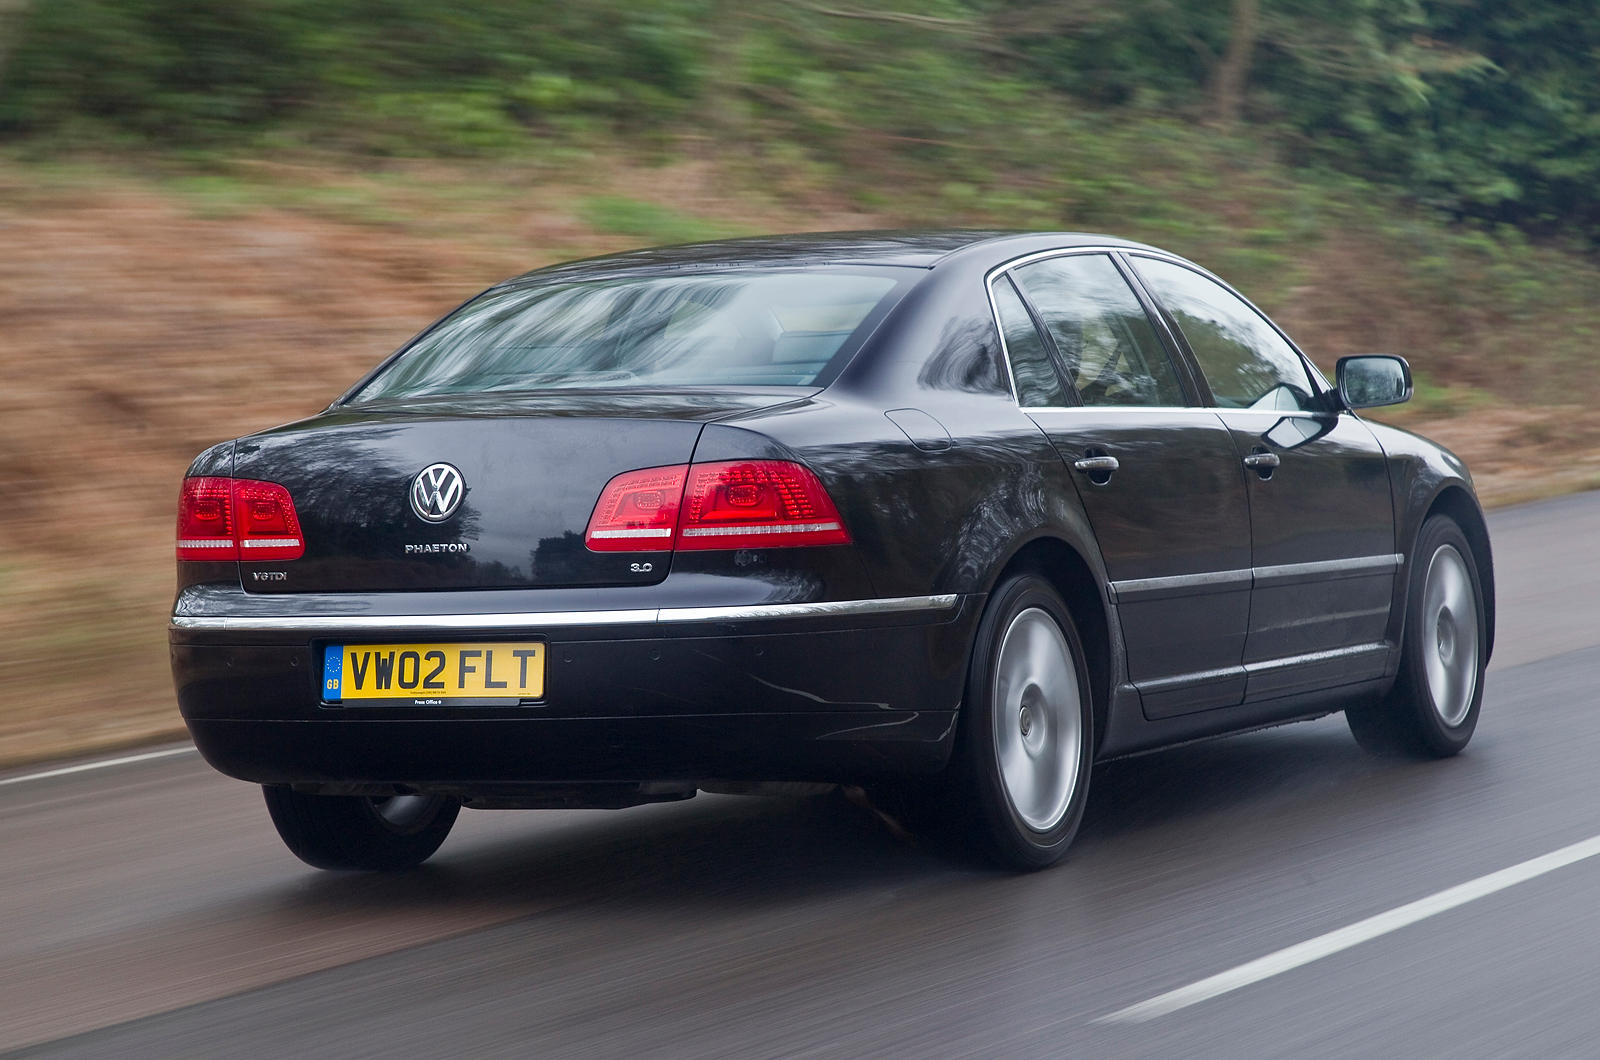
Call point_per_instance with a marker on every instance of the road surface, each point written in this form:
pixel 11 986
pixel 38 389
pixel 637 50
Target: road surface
pixel 149 910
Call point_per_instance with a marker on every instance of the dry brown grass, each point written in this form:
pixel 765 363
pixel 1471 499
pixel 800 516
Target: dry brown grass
pixel 146 320
pixel 136 335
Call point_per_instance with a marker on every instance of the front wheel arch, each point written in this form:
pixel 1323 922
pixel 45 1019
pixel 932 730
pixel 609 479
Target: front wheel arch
pixel 1457 503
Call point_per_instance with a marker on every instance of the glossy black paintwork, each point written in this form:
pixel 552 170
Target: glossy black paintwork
pixel 1175 507
pixel 942 506
pixel 1425 478
pixel 531 484
pixel 495 755
pixel 1329 499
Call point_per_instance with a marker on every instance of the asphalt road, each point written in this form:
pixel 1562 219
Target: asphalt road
pixel 148 910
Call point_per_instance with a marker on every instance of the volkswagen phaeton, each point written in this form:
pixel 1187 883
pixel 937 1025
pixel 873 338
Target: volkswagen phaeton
pixel 951 513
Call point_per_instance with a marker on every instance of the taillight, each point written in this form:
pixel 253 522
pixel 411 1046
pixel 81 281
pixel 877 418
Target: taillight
pixel 637 511
pixel 757 504
pixel 205 520
pixel 729 504
pixel 269 527
pixel 229 519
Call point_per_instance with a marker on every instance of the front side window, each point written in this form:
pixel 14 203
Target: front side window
pixel 1038 385
pixel 1101 331
pixel 760 329
pixel 1246 362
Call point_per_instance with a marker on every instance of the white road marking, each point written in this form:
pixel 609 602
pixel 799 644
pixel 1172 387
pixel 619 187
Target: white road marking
pixel 1346 937
pixel 103 764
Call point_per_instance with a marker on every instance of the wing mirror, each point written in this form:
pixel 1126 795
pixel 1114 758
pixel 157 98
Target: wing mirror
pixel 1373 379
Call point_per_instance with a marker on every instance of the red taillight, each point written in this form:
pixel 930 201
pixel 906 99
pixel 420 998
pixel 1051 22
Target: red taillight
pixel 269 527
pixel 637 511
pixel 730 504
pixel 757 504
pixel 228 519
pixel 205 520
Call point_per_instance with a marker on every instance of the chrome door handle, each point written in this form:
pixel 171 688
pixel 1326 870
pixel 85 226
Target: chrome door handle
pixel 1099 463
pixel 1268 460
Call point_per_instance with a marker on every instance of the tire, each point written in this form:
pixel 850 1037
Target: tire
pixel 359 832
pixel 1024 750
pixel 1432 709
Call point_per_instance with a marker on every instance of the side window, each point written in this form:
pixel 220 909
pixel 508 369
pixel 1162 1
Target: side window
pixel 1038 386
pixel 1246 362
pixel 1106 341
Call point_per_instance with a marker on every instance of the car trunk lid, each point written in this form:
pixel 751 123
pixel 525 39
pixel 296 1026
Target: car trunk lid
pixel 530 470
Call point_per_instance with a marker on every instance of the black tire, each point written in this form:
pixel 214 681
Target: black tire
pixel 358 832
pixel 1024 817
pixel 1432 709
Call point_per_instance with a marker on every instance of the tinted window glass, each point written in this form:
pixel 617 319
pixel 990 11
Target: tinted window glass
pixel 1038 386
pixel 1106 341
pixel 1246 362
pixel 770 329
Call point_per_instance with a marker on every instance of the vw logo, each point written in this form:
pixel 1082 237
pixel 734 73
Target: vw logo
pixel 436 492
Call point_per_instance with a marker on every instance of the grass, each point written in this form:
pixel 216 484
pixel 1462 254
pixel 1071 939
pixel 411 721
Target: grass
pixel 650 223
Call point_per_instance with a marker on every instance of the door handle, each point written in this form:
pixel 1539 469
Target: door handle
pixel 1262 460
pixel 1104 464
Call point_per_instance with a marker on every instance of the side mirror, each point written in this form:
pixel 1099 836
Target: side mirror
pixel 1373 379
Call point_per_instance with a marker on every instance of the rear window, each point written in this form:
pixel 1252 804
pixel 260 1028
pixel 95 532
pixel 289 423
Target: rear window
pixel 756 329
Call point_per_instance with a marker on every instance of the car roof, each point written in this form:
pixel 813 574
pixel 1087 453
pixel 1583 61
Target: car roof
pixel 922 249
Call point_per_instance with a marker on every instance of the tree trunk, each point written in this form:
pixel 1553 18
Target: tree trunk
pixel 1227 90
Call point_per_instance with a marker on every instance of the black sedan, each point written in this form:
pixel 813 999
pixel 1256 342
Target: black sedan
pixel 951 516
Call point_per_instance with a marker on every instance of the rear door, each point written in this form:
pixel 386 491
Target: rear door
pixel 1171 518
pixel 1322 522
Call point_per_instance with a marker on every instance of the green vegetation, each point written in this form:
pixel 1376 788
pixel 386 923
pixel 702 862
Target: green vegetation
pixel 622 216
pixel 1480 108
pixel 1445 154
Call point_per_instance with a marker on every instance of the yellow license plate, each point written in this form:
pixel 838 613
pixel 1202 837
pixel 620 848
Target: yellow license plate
pixel 434 674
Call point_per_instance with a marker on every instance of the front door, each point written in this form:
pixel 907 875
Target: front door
pixel 1159 480
pixel 1322 521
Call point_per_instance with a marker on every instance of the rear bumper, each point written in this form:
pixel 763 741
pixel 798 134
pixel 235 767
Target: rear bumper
pixel 495 755
pixel 766 692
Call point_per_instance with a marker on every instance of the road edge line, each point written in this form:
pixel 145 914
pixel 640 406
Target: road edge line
pixel 105 763
pixel 1344 938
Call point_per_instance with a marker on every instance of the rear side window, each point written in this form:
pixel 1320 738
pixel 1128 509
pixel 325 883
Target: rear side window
pixel 762 329
pixel 1101 331
pixel 1245 361
pixel 1038 386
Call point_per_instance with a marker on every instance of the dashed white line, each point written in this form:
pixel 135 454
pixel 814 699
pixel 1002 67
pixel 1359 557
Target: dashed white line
pixel 1346 937
pixel 106 763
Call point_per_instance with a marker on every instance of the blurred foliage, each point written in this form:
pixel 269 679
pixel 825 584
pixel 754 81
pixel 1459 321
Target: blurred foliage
pixel 622 216
pixel 1480 108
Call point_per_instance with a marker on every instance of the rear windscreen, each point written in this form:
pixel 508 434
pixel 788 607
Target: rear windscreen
pixel 755 329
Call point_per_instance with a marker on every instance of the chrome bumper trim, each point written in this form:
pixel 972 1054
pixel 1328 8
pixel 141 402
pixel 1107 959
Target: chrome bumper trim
pixel 565 619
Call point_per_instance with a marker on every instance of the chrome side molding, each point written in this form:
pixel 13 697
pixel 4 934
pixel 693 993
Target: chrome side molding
pixel 1142 589
pixel 535 620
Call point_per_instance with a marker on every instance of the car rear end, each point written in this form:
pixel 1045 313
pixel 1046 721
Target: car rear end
pixel 570 588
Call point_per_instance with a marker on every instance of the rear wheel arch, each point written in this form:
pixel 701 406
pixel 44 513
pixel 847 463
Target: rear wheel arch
pixel 1064 567
pixel 1457 503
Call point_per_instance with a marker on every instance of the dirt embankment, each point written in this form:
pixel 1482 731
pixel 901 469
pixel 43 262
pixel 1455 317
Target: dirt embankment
pixel 135 334
pixel 136 331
